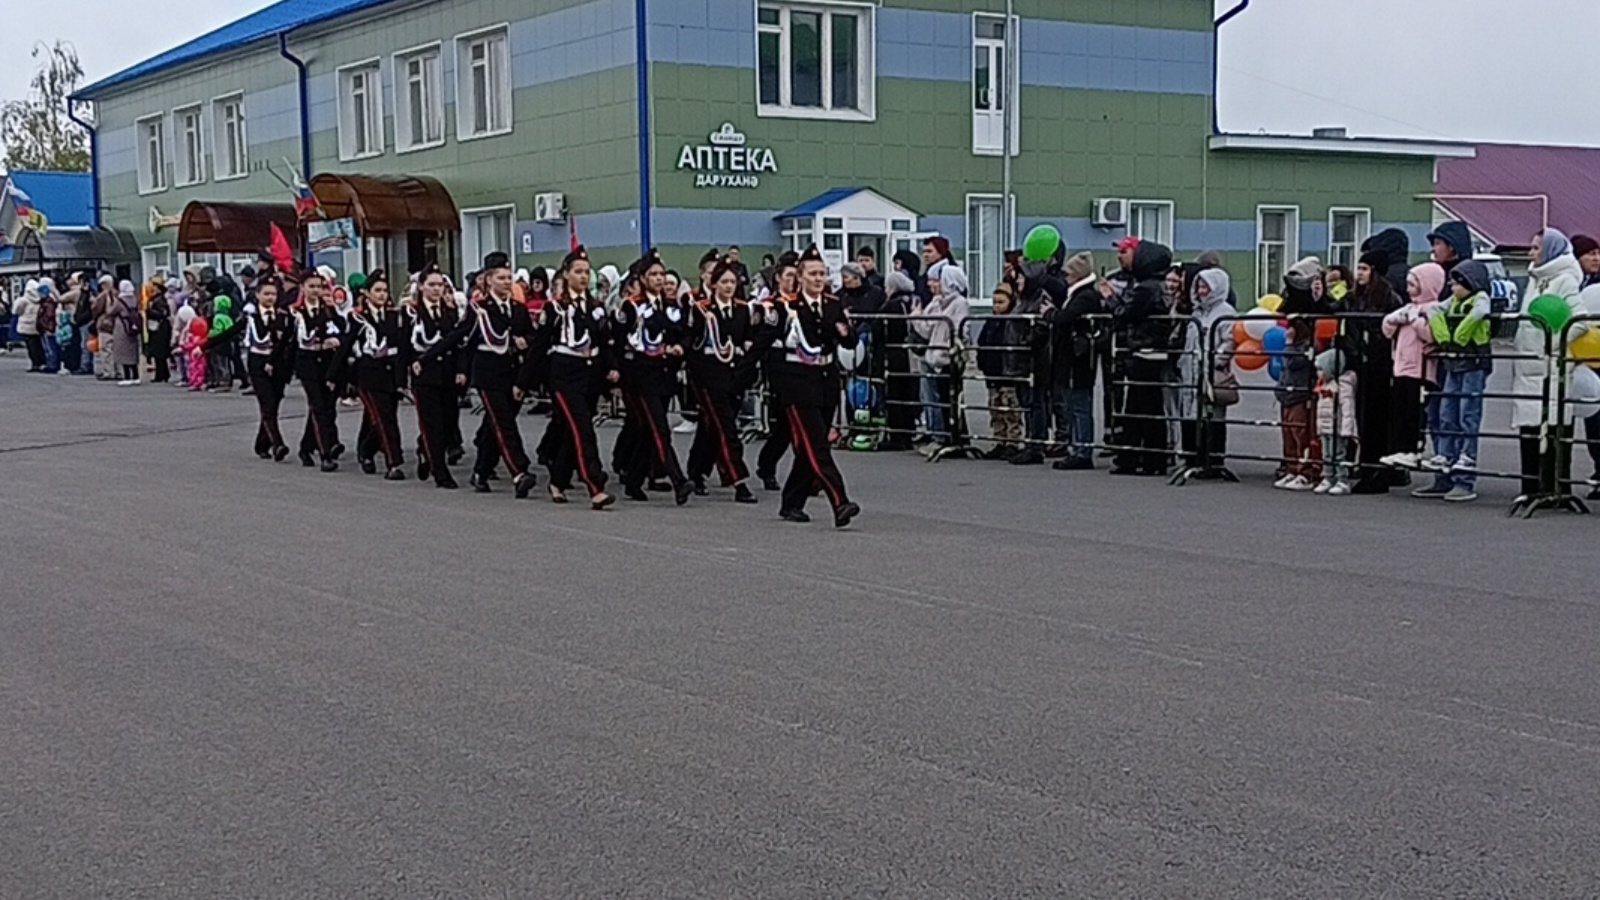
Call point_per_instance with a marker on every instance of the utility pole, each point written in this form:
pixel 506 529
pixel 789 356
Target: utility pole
pixel 1008 112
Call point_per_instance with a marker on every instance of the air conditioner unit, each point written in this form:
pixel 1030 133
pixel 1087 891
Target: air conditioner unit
pixel 1110 212
pixel 550 208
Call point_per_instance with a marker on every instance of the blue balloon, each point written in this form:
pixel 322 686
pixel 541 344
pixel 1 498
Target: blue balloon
pixel 861 393
pixel 1275 367
pixel 1275 339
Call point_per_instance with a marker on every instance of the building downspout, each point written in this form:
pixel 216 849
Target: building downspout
pixel 94 160
pixel 1216 32
pixel 642 53
pixel 305 120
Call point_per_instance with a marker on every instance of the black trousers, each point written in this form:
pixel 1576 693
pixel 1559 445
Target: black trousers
pixel 163 363
pixel 35 345
pixel 322 419
pixel 1542 471
pixel 570 440
pixel 813 459
pixel 1142 425
pixel 1213 454
pixel 779 440
pixel 651 447
pixel 438 418
pixel 716 441
pixel 1591 432
pixel 498 436
pixel 1405 428
pixel 269 398
pixel 380 428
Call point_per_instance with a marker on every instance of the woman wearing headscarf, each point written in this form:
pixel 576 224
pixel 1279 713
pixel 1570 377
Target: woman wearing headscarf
pixel 1372 355
pixel 1209 306
pixel 26 311
pixel 1555 273
pixel 935 323
pixel 127 324
pixel 892 368
pixel 105 327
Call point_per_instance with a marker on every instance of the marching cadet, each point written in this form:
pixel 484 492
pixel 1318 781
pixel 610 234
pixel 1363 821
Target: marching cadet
pixel 721 329
pixel 318 338
pixel 498 329
pixel 267 345
pixel 651 334
pixel 774 311
pixel 807 388
pixel 434 382
pixel 571 346
pixel 380 340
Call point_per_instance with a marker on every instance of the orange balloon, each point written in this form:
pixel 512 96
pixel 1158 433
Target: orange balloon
pixel 1240 335
pixel 1327 329
pixel 1247 355
pixel 94 343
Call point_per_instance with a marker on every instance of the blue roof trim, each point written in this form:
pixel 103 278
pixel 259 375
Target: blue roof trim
pixel 283 16
pixel 66 198
pixel 819 202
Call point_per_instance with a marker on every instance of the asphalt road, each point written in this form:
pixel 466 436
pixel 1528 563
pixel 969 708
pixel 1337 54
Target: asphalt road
pixel 225 678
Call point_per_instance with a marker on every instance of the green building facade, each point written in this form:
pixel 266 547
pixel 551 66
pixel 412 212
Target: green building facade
pixel 765 123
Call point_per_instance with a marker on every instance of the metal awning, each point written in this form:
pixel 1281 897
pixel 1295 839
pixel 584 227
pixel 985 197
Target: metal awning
pixel 210 227
pixel 387 204
pixel 64 248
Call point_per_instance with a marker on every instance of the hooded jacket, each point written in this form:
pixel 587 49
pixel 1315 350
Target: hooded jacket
pixel 27 310
pixel 1072 347
pixel 1461 328
pixel 1396 249
pixel 1408 327
pixel 1459 237
pixel 1560 277
pixel 1136 316
pixel 1204 329
pixel 952 306
pixel 911 264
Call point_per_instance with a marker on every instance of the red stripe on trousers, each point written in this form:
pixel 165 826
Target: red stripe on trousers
pixel 577 443
pixel 499 437
pixel 722 436
pixel 801 438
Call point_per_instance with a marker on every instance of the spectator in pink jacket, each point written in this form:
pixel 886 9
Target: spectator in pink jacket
pixel 1414 366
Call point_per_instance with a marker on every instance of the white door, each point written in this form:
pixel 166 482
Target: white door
pixel 989 94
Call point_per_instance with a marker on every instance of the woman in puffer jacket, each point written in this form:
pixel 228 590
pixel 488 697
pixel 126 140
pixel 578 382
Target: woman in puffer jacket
pixel 1414 365
pixel 1555 272
pixel 937 327
pixel 1212 287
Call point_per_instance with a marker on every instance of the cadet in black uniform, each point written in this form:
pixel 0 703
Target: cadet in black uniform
pixel 318 336
pixel 571 346
pixel 267 346
pixel 720 336
pixel 807 386
pixel 380 344
pixel 651 335
pixel 775 311
pixel 498 329
pixel 434 382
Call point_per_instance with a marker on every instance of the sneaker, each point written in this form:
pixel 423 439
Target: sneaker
pixel 1402 460
pixel 1436 464
pixel 1283 481
pixel 1299 484
pixel 1465 464
pixel 685 427
pixel 1430 492
pixel 126 383
pixel 1459 494
pixel 1342 489
pixel 1323 486
pixel 1593 480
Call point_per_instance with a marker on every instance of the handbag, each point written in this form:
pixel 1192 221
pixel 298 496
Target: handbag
pixel 1224 386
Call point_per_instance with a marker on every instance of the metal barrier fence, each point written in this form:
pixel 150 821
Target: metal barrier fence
pixel 1578 392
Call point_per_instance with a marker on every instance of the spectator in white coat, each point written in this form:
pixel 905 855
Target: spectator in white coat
pixel 936 328
pixel 1555 272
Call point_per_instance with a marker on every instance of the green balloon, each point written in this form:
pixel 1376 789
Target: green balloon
pixel 1041 243
pixel 224 305
pixel 220 322
pixel 1552 311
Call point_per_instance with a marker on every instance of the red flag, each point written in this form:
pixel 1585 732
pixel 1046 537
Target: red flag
pixel 282 256
pixel 572 231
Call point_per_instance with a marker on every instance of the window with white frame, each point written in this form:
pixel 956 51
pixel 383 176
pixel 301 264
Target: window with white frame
pixel 483 84
pixel 156 258
pixel 1348 229
pixel 1151 220
pixel 152 132
pixel 797 233
pixel 990 96
pixel 1277 245
pixel 230 146
pixel 360 111
pixel 986 221
pixel 418 99
pixel 483 231
pixel 815 60
pixel 188 123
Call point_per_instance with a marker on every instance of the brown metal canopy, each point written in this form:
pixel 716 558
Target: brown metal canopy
pixel 386 204
pixel 208 227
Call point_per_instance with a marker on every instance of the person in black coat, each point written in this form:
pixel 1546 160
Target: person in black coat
pixel 435 378
pixel 1361 336
pixel 1393 249
pixel 268 346
pixel 1142 338
pixel 1044 288
pixel 892 368
pixel 572 345
pixel 720 338
pixel 1072 363
pixel 651 335
pixel 380 345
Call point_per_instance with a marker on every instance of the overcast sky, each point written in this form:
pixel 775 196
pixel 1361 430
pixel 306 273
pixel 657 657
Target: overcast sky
pixel 1457 69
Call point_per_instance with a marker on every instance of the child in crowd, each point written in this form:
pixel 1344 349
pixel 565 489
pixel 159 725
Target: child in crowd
pixel 1461 330
pixel 1336 420
pixel 1003 371
pixel 1414 365
pixel 194 352
pixel 1297 402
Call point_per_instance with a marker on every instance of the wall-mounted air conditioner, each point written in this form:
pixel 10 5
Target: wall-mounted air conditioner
pixel 550 208
pixel 1110 212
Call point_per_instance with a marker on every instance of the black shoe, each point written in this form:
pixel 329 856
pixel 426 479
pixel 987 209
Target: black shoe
pixel 683 491
pixel 338 451
pixel 480 485
pixel 492 476
pixel 329 465
pixel 1057 451
pixel 280 453
pixel 700 487
pixel 454 456
pixel 1368 487
pixel 306 460
pixel 424 471
pixel 770 483
pixel 843 515
pixel 742 494
pixel 1073 464
pixel 1594 494
pixel 247 392
pixel 658 486
pixel 636 494
pixel 262 454
pixel 368 467
pixel 1028 457
pixel 395 474
pixel 524 485
pixel 797 516
pixel 601 501
pixel 557 495
pixel 446 484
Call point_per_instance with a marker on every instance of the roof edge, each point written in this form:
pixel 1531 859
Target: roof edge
pixel 1347 146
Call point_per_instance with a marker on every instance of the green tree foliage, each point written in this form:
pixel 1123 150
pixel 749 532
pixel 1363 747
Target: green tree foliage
pixel 35 131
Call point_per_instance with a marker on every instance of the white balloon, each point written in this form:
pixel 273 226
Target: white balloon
pixel 1259 321
pixel 1583 392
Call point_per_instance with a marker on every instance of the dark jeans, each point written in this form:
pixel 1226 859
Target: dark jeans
pixel 1074 411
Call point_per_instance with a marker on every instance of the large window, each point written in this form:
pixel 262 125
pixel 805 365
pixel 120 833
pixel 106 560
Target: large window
pixel 191 158
pixel 152 133
pixel 156 258
pixel 1151 220
pixel 483 84
pixel 232 148
pixel 419 100
pixel 814 60
pixel 1348 229
pixel 990 96
pixel 986 221
pixel 484 231
pixel 360 111
pixel 1277 246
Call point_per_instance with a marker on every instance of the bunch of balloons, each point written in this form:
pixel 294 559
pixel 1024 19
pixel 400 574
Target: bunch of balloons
pixel 1250 334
